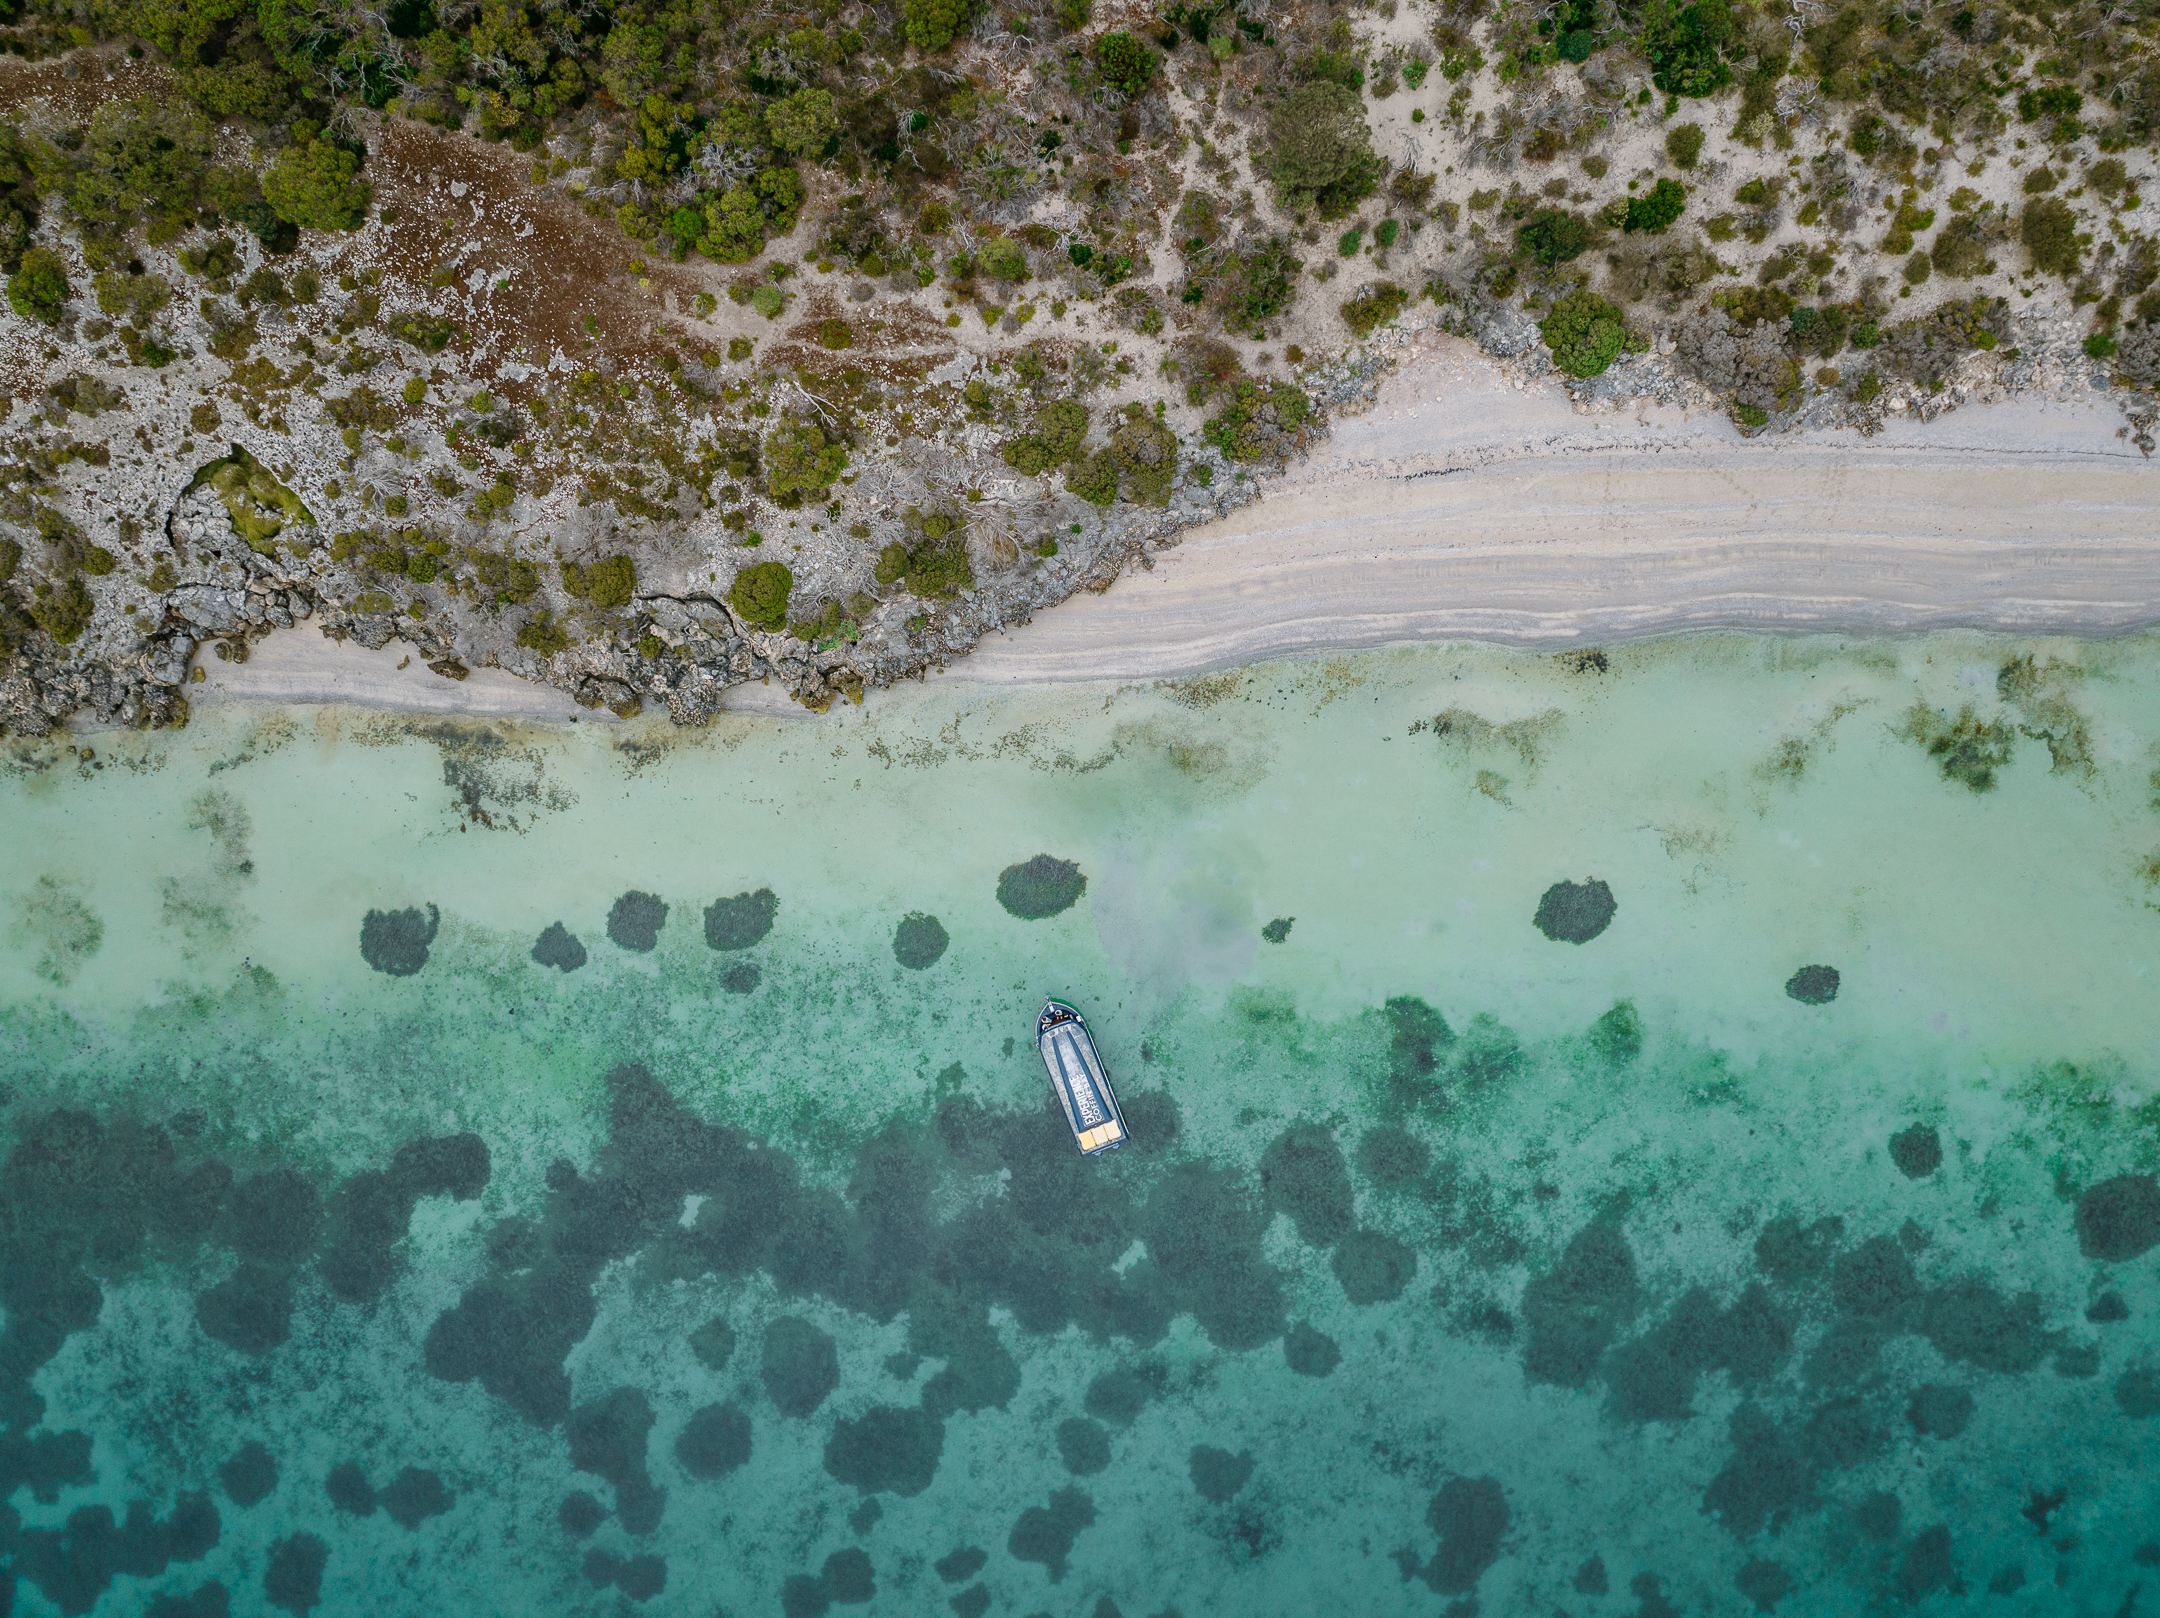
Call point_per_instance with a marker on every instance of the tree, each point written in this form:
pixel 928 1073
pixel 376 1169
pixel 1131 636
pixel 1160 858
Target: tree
pixel 760 594
pixel 2048 228
pixel 931 24
pixel 1322 146
pixel 605 584
pixel 39 290
pixel 802 123
pixel 1125 63
pixel 1665 203
pixel 1584 333
pixel 800 459
pixel 312 184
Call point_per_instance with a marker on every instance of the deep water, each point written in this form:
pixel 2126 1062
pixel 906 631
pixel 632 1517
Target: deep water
pixel 1672 1132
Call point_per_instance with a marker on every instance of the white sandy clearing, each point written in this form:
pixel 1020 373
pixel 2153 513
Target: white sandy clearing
pixel 1462 508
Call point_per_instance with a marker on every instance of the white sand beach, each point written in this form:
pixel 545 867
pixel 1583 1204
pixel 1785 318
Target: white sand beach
pixel 1462 506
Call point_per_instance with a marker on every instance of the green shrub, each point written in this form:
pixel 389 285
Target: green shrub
pixel 760 594
pixel 1384 234
pixel 1124 62
pixel 1352 242
pixel 39 290
pixel 541 633
pixel 1263 420
pixel 1686 47
pixel 2100 345
pixel 1003 260
pixel 1683 144
pixel 939 567
pixel 1059 432
pixel 2048 229
pixel 611 583
pixel 1322 147
pixel 801 124
pixel 1554 236
pixel 62 610
pixel 1095 479
pixel 1917 269
pixel 835 334
pixel 1373 307
pixel 312 184
pixel 932 24
pixel 1576 45
pixel 1665 203
pixel 1584 332
pixel 2056 101
pixel 800 459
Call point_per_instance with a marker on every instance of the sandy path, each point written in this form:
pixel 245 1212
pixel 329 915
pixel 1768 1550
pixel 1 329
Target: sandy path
pixel 1461 508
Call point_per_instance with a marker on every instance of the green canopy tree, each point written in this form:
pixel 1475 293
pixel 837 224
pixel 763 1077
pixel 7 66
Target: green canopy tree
pixel 1584 332
pixel 1322 148
pixel 314 185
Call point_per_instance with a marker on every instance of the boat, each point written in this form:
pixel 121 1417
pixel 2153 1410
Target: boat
pixel 1076 1074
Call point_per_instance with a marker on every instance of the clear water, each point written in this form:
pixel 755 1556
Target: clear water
pixel 1453 1267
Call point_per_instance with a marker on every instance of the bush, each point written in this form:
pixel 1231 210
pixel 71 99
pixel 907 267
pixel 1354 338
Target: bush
pixel 1685 47
pixel 1374 307
pixel 835 334
pixel 2048 229
pixel 1322 148
pixel 1584 332
pixel 312 185
pixel 1554 236
pixel 800 459
pixel 541 633
pixel 1094 479
pixel 1683 144
pixel 1665 203
pixel 1576 45
pixel 2099 346
pixel 760 594
pixel 2056 101
pixel 39 290
pixel 605 584
pixel 1060 429
pixel 1124 62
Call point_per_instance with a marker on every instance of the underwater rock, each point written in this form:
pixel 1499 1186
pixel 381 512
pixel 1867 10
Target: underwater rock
pixel 919 941
pixel 961 1565
pixel 415 1495
pixel 1392 1159
pixel 1417 1035
pixel 2119 1219
pixel 714 1442
pixel 1217 1475
pixel 1302 1174
pixel 1575 1311
pixel 972 1602
pixel 1040 888
pixel 209 1601
pixel 250 1310
pixel 1575 912
pixel 2007 1582
pixel 1769 1480
pixel 742 978
pixel 77 1563
pixel 1590 1578
pixel 274 1217
pixel 580 1514
pixel 1927 1565
pixel 1470 1515
pixel 803 1596
pixel 1653 1378
pixel 1119 1396
pixel 801 1365
pixel 1878 1515
pixel 739 922
pixel 1203 1227
pixel 2107 1309
pixel 638 1577
pixel 2137 1390
pixel 1310 1352
pixel 713 1343
pixel 635 920
pixel 1373 1268
pixel 1764 1583
pixel 1278 930
pixel 349 1489
pixel 396 941
pixel 250 1475
pixel 1875 1280
pixel 887 1448
pixel 1940 1412
pixel 2040 1505
pixel 293 1578
pixel 1969 1320
pixel 1813 985
pixel 2077 1359
pixel 559 948
pixel 1046 1534
pixel 1916 1151
pixel 1083 1446
pixel 848 1577
pixel 607 1439
pixel 1617 1036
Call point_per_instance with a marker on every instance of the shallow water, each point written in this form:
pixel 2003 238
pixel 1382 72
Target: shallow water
pixel 1453 1267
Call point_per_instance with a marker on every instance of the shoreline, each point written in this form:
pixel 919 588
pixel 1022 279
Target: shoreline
pixel 1467 505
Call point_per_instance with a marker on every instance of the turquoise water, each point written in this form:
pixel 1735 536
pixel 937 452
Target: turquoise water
pixel 1785 1244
